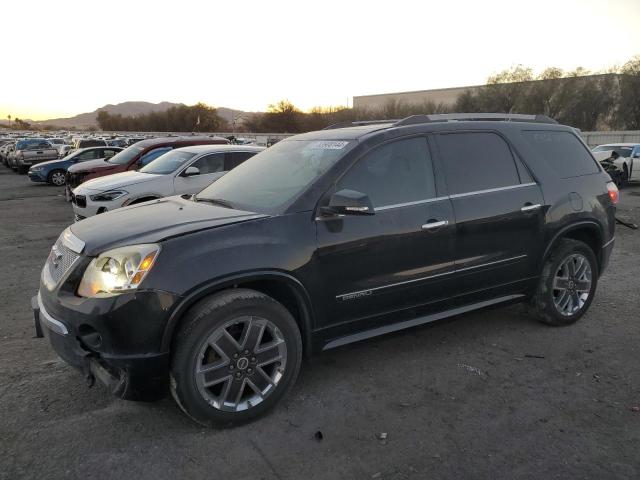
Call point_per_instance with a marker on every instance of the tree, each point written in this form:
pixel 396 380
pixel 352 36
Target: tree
pixel 627 115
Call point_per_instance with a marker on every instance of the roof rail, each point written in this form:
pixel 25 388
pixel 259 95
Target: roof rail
pixel 359 123
pixel 467 117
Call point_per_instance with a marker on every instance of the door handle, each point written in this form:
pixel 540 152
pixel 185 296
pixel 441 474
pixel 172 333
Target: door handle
pixel 529 208
pixel 431 225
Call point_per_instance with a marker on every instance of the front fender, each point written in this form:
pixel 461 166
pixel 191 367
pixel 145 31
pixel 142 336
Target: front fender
pixel 215 285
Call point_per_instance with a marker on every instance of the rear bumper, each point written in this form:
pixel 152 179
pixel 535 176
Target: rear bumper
pixel 131 377
pixel 607 248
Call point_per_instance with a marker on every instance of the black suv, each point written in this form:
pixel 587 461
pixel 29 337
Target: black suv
pixel 324 239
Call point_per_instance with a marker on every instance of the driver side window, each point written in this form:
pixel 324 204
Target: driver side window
pixel 213 163
pixel 395 173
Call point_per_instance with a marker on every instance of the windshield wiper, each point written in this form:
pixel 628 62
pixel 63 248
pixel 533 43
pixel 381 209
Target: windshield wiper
pixel 213 201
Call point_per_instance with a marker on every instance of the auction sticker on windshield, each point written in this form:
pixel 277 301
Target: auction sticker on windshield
pixel 327 145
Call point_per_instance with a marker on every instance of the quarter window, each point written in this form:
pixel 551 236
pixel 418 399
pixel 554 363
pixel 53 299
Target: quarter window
pixel 476 161
pixel 395 173
pixel 563 152
pixel 236 158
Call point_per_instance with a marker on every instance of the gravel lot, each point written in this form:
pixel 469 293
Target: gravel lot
pixel 486 395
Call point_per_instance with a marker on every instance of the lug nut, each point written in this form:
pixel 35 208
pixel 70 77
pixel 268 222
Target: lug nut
pixel 238 375
pixel 253 359
pixel 249 370
pixel 230 367
pixel 246 352
pixel 235 355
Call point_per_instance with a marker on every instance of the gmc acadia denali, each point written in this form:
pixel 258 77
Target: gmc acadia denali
pixel 324 239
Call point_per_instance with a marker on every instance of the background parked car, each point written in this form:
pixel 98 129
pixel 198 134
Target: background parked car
pixel 625 156
pixel 31 151
pixel 63 150
pixel 88 142
pixel 133 158
pixel 54 171
pixel 5 150
pixel 184 170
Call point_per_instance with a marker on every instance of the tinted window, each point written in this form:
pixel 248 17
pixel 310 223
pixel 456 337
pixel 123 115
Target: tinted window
pixel 477 161
pixel 395 173
pixel 86 155
pixel 212 163
pixel 149 157
pixel 236 158
pixel 563 152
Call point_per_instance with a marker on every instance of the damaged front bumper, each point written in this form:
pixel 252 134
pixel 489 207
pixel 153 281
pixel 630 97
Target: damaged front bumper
pixel 131 377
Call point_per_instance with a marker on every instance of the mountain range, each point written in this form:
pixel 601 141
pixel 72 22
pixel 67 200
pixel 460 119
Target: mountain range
pixel 126 109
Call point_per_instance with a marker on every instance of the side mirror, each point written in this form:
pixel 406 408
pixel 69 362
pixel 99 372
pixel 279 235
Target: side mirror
pixel 349 202
pixel 191 171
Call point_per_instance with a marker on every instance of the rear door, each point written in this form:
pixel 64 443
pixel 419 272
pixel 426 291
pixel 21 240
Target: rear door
pixel 498 208
pixel 398 258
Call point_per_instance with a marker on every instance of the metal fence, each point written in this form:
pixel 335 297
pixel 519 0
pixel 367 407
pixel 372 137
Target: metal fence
pixel 599 138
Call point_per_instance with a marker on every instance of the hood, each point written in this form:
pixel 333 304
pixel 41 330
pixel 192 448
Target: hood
pixel 53 163
pixel 94 166
pixel 117 180
pixel 153 222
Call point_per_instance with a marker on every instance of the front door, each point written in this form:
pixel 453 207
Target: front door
pixel 398 258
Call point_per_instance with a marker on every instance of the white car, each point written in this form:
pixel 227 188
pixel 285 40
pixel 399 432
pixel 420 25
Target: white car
pixel 627 161
pixel 185 170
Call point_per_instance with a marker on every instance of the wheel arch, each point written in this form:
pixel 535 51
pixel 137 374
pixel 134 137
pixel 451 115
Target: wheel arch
pixel 589 232
pixel 281 286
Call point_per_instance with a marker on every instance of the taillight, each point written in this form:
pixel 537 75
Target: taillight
pixel 614 194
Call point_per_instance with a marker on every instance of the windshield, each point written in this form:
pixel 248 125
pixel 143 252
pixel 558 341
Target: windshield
pixel 168 162
pixel 269 181
pixel 126 155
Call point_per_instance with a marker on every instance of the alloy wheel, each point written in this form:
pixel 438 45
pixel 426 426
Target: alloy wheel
pixel 241 363
pixel 57 178
pixel 572 284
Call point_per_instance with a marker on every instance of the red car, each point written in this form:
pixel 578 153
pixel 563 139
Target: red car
pixel 132 158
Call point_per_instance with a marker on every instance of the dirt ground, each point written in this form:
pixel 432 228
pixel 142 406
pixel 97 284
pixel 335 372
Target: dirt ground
pixel 491 394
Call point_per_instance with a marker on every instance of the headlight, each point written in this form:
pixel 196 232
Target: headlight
pixel 108 196
pixel 118 271
pixel 35 169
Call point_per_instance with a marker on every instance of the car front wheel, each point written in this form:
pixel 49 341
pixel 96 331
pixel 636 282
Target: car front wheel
pixel 236 354
pixel 57 178
pixel 567 284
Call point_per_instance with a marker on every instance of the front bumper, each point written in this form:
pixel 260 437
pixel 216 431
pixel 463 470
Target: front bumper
pixel 37 176
pixel 95 344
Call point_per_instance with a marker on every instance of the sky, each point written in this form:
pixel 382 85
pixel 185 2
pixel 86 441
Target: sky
pixel 65 57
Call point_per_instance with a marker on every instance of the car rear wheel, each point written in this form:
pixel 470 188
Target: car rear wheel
pixel 236 355
pixel 567 284
pixel 57 178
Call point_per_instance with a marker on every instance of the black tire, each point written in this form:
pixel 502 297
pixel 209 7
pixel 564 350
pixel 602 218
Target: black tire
pixel 543 304
pixel 22 169
pixel 53 175
pixel 202 321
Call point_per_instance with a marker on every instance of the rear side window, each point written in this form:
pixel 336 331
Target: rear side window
pixel 396 173
pixel 236 158
pixel 476 161
pixel 563 152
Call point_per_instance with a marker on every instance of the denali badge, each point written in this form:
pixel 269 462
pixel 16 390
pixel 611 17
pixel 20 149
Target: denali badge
pixel 353 296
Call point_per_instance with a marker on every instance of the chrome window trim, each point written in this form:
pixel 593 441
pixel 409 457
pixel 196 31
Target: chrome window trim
pixel 368 290
pixel 409 204
pixel 491 190
pixel 50 322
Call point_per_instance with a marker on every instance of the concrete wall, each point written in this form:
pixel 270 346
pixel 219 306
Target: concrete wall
pixel 446 96
pixel 599 138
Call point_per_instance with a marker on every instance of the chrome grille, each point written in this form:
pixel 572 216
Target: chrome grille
pixel 60 260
